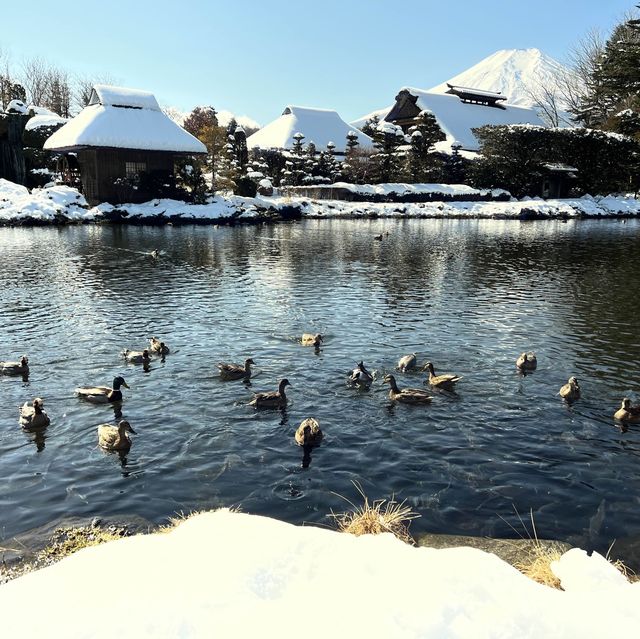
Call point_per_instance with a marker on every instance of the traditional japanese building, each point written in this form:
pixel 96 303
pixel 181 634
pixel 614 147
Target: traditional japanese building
pixel 458 112
pixel 125 146
pixel 320 126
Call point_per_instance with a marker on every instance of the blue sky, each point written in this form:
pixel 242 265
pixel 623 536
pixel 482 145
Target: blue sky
pixel 254 57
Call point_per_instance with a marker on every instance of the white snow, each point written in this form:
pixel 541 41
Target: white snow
pixel 320 125
pixel 114 123
pixel 16 106
pixel 515 73
pixel 224 574
pixel 59 202
pixel 39 121
pixel 457 118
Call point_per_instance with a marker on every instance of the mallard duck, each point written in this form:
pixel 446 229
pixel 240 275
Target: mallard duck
pixel 527 362
pixel 627 412
pixel 115 437
pixel 157 347
pixel 407 363
pixel 103 394
pixel 406 395
pixel 309 433
pixel 32 415
pixel 137 357
pixel 361 376
pixel 446 381
pixel 235 371
pixel 312 340
pixel 15 368
pixel 276 399
pixel 571 390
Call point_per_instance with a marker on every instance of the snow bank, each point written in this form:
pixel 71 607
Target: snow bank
pixel 60 204
pixel 399 188
pixel 226 574
pixel 587 206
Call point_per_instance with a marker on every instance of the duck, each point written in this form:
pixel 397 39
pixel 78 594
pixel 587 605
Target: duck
pixel 32 415
pixel 406 395
pixel 527 362
pixel 308 433
pixel 276 399
pixel 115 437
pixel 236 371
pixel 407 363
pixel 627 412
pixel 15 368
pixel 571 390
pixel 157 347
pixel 155 253
pixel 308 339
pixel 137 357
pixel 103 394
pixel 446 381
pixel 378 238
pixel 360 375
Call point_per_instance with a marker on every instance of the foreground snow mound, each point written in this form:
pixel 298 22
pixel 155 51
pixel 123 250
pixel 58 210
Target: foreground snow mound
pixel 227 574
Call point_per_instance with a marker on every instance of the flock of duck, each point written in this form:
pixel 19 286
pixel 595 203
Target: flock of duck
pixel 33 417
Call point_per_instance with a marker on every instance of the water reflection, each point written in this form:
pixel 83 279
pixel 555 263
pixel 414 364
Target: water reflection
pixel 469 294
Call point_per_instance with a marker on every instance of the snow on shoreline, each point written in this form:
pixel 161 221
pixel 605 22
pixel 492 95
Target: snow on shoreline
pixel 62 205
pixel 236 575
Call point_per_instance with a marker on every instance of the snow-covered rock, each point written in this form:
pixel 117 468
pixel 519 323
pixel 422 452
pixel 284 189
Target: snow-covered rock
pixel 225 574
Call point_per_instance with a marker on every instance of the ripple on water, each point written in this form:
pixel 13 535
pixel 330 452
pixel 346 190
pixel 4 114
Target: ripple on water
pixel 467 295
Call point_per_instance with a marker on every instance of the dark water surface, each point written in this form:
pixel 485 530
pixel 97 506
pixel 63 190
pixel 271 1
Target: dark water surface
pixel 468 295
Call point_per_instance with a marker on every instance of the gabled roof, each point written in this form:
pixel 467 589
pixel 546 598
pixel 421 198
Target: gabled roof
pixel 457 118
pixel 319 126
pixel 126 119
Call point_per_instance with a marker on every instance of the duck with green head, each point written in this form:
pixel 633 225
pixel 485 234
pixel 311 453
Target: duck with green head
pixel 103 394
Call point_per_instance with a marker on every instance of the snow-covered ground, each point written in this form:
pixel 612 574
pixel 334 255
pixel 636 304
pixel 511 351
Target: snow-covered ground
pixel 61 204
pixel 224 574
pixel 401 189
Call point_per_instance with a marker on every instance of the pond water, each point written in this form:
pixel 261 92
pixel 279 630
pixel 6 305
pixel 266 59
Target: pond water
pixel 467 295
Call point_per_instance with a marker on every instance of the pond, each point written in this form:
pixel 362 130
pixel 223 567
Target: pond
pixel 469 295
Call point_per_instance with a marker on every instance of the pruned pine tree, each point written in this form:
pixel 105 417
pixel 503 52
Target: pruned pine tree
pixel 348 165
pixel 371 125
pixel 387 139
pixel 422 164
pixel 454 167
pixel 295 168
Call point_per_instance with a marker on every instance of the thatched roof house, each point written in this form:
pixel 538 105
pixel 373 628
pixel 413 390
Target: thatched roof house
pixel 124 144
pixel 320 126
pixel 458 112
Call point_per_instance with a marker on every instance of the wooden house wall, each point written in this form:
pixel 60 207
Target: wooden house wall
pixel 104 173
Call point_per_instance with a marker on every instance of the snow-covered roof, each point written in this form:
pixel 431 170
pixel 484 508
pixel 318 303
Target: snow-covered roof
pixel 43 118
pixel 457 118
pixel 318 125
pixel 126 119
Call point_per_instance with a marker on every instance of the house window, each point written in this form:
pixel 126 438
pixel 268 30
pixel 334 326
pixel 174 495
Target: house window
pixel 133 169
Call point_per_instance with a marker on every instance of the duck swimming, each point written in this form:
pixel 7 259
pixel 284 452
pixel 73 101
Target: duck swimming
pixel 32 415
pixel 103 394
pixel 627 412
pixel 157 347
pixel 15 368
pixel 570 391
pixel 527 362
pixel 137 357
pixel 361 376
pixel 312 340
pixel 406 395
pixel 407 363
pixel 236 371
pixel 115 437
pixel 446 381
pixel 276 399
pixel 308 433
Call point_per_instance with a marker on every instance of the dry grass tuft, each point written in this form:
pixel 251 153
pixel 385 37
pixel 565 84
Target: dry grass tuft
pixel 538 565
pixel 181 517
pixel 380 516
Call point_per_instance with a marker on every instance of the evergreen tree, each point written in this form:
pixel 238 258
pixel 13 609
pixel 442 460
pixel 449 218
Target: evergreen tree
pixel 423 165
pixel 454 167
pixel 387 137
pixel 370 126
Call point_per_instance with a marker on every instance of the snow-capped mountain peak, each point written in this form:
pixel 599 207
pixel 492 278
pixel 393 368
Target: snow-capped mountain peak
pixel 516 73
